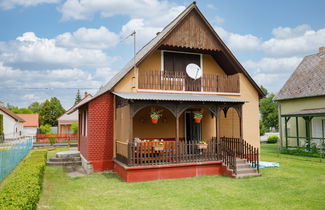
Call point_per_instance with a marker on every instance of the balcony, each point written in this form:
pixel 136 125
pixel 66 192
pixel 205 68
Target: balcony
pixel 179 81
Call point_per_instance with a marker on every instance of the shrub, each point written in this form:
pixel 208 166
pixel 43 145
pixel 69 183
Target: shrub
pixel 22 188
pixel 44 129
pixel 299 151
pixel 272 139
pixel 52 139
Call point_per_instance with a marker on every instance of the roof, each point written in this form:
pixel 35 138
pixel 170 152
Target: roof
pixel 176 97
pixel 72 114
pixel 154 44
pixel 308 80
pixel 11 114
pixel 307 112
pixel 31 120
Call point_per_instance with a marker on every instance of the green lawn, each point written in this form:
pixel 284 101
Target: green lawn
pixel 298 184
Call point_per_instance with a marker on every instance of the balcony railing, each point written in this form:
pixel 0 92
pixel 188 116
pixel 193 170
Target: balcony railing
pixel 179 81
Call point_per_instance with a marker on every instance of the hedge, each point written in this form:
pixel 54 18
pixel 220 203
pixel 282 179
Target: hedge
pixel 22 188
pixel 272 139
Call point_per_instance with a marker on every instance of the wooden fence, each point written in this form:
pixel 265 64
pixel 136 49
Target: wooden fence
pixel 45 138
pixel 179 81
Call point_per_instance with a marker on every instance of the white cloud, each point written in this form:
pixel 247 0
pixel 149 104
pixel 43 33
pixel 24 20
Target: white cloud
pixel 10 4
pixel 30 51
pixel 218 20
pixel 91 38
pixel 297 41
pixel 31 97
pixel 85 9
pixel 238 42
pixel 211 6
pixel 272 65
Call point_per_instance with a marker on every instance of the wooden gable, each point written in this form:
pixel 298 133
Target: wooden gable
pixel 192 32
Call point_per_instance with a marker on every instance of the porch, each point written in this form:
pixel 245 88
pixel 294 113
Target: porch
pixel 176 140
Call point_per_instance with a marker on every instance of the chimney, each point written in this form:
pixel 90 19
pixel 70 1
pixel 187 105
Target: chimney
pixel 85 94
pixel 322 49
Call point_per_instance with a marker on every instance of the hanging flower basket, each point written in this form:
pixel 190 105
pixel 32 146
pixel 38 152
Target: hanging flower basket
pixel 197 120
pixel 198 117
pixel 155 115
pixel 154 120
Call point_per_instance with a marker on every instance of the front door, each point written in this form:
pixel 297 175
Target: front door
pixel 192 129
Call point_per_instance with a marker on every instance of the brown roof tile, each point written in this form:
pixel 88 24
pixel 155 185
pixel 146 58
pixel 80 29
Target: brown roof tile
pixel 307 80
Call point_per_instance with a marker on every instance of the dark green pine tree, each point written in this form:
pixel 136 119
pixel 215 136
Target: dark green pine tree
pixel 78 97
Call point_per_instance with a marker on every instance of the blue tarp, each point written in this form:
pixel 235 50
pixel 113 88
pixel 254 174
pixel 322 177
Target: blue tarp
pixel 265 164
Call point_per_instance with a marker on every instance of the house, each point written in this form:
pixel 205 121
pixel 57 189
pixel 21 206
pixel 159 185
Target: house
pixel 66 120
pixel 302 104
pixel 31 124
pixel 183 72
pixel 12 124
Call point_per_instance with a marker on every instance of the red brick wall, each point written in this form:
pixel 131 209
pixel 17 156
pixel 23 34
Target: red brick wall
pixel 100 132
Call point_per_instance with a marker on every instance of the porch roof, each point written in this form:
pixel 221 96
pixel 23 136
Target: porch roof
pixel 306 112
pixel 176 97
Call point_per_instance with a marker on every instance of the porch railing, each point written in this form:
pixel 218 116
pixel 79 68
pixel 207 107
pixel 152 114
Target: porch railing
pixel 226 150
pixel 178 81
pixel 147 153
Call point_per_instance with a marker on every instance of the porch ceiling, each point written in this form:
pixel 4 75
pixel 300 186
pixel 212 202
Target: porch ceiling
pixel 176 97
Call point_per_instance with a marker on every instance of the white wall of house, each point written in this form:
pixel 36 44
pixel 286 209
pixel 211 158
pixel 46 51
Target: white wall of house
pixel 30 131
pixel 11 128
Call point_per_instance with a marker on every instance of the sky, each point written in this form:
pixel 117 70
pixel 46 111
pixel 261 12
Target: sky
pixel 52 48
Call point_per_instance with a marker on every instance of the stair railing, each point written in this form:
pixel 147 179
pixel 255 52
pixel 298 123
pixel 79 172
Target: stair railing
pixel 241 149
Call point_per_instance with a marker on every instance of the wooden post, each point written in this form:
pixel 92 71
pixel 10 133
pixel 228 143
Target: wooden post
pixel 286 130
pixel 218 131
pixel 177 137
pixel 297 131
pixel 241 121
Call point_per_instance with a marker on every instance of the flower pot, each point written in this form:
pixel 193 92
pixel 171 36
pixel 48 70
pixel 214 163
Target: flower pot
pixel 202 146
pixel 154 120
pixel 197 120
pixel 159 147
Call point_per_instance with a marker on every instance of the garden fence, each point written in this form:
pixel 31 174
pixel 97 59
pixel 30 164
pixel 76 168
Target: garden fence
pixel 12 152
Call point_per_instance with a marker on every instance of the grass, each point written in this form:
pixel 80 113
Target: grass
pixel 298 184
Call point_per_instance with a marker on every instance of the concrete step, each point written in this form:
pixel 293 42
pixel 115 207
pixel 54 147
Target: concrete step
pixel 240 166
pixel 247 175
pixel 66 163
pixel 240 161
pixel 68 154
pixel 56 159
pixel 246 170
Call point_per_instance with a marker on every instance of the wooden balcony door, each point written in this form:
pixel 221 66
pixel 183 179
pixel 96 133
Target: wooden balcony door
pixel 177 62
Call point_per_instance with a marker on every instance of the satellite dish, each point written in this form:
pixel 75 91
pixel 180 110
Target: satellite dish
pixel 193 71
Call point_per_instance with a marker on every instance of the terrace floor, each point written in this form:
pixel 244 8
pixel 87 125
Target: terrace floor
pixel 299 183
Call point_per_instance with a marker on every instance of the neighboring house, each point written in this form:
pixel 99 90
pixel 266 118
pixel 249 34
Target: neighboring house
pixel 115 125
pixel 302 103
pixel 12 123
pixel 65 121
pixel 31 124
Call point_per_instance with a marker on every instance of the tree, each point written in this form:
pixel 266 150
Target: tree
pixel 17 110
pixel 74 127
pixel 35 107
pixel 264 90
pixel 50 111
pixel 269 111
pixel 78 97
